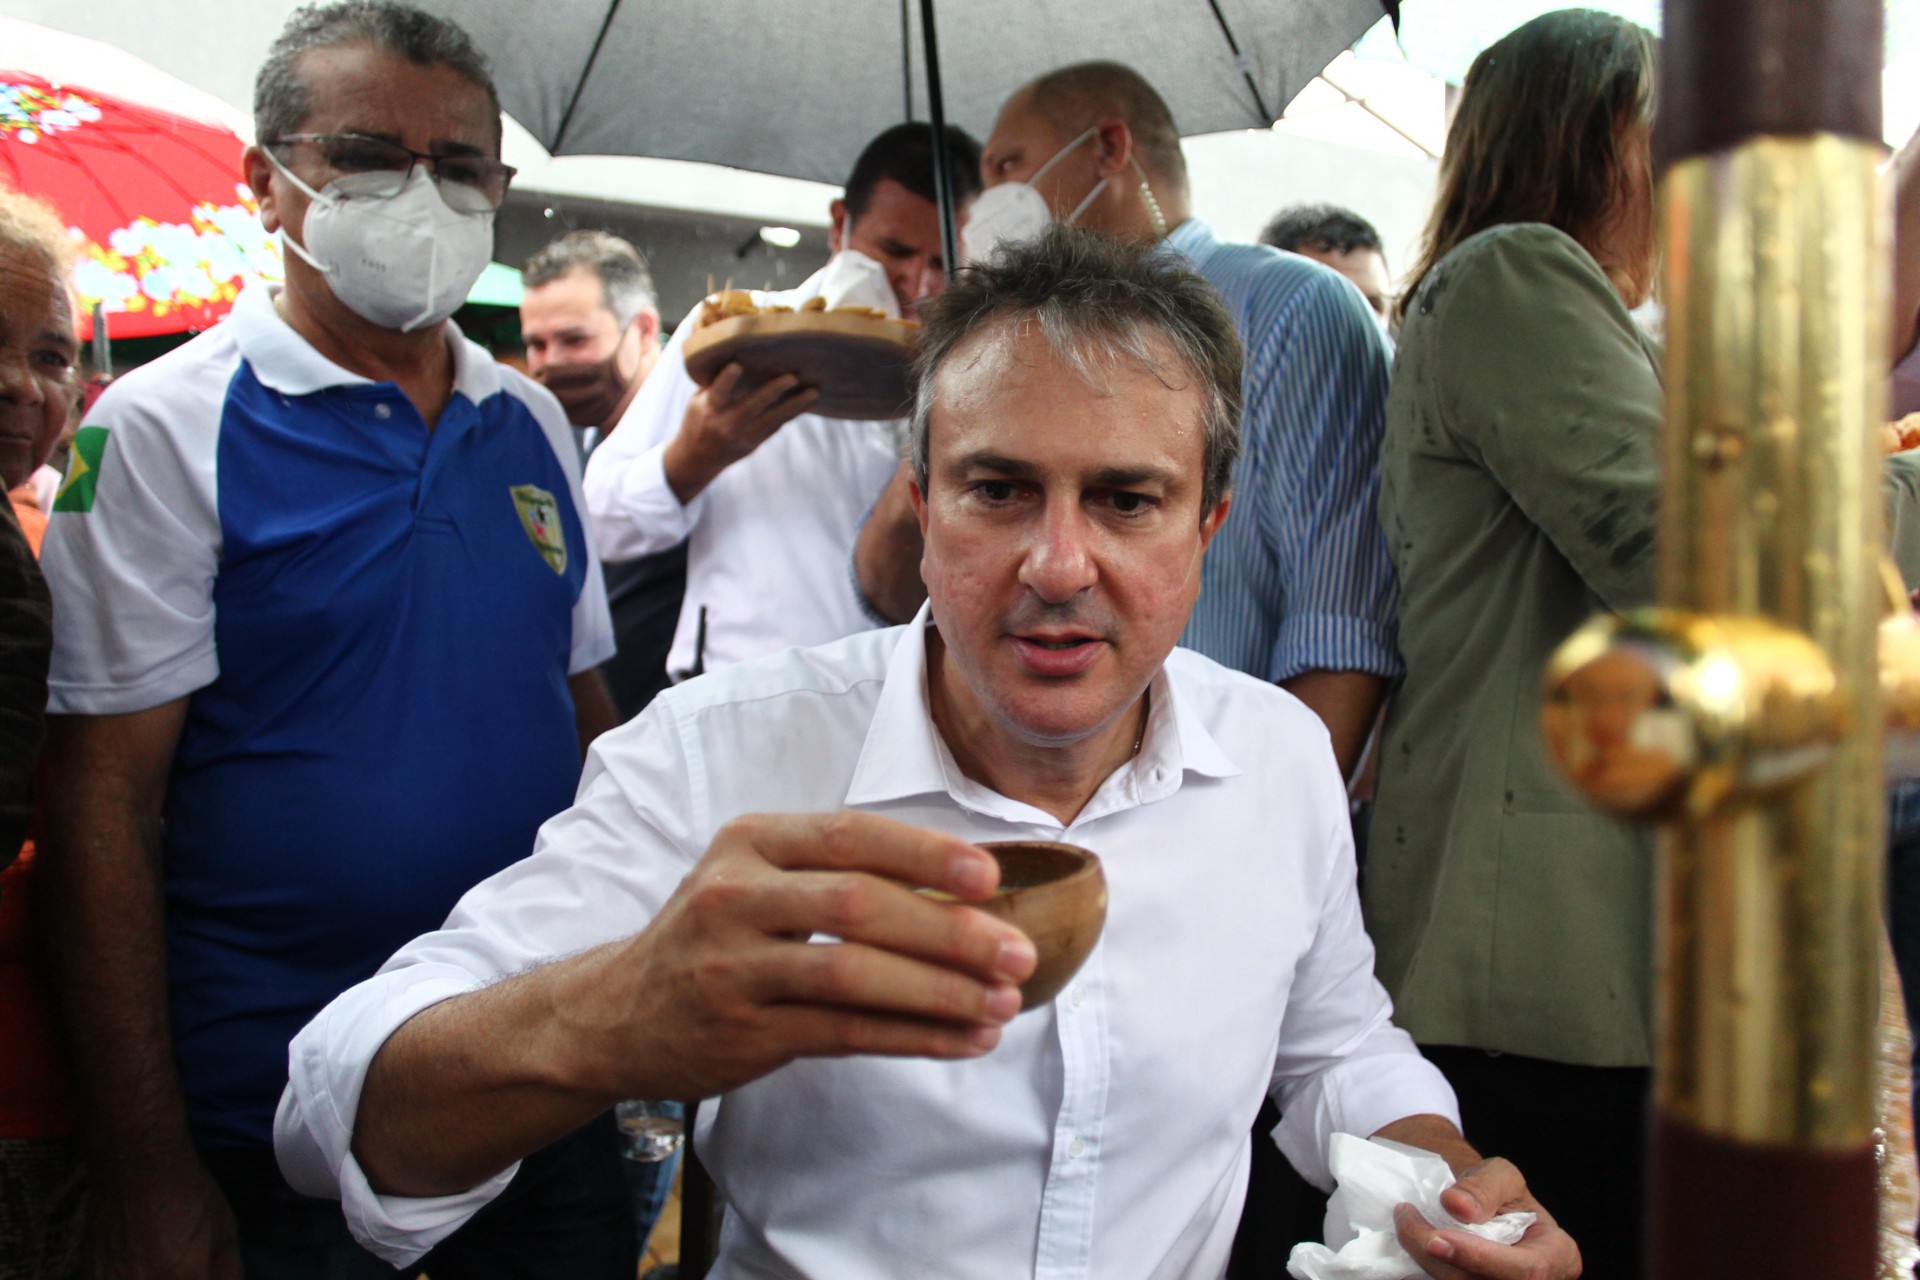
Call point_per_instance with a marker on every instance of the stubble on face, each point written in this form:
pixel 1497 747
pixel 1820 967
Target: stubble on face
pixel 1063 536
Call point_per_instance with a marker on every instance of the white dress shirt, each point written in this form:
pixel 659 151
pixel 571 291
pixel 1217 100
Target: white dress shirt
pixel 770 541
pixel 1106 1136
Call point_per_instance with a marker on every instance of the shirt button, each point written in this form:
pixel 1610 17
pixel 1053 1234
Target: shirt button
pixel 1078 998
pixel 1076 1149
pixel 383 411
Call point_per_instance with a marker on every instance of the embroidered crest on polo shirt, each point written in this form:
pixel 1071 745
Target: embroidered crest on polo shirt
pixel 83 471
pixel 540 517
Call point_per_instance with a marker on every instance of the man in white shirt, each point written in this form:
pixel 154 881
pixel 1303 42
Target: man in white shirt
pixel 1075 431
pixel 767 496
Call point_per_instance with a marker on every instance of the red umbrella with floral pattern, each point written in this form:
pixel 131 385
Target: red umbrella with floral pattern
pixel 169 233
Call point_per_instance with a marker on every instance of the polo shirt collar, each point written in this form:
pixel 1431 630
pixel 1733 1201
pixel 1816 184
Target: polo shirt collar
pixel 284 361
pixel 904 756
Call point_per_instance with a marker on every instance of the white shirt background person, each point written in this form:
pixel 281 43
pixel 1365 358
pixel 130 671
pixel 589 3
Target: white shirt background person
pixel 769 503
pixel 768 541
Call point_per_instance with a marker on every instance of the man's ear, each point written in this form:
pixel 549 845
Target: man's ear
pixel 1114 146
pixel 837 228
pixel 649 324
pixel 258 171
pixel 918 497
pixel 1210 523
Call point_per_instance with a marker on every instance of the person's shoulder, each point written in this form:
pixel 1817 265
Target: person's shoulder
pixel 854 667
pixel 1230 701
pixel 1523 278
pixel 180 382
pixel 1513 256
pixel 1281 291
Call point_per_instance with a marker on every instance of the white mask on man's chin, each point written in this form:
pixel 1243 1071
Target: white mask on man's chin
pixel 1014 212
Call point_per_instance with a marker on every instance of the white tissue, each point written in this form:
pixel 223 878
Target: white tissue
pixel 852 279
pixel 1374 1176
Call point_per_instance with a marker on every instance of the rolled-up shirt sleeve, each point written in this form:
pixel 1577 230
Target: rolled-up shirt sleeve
pixel 599 872
pixel 635 511
pixel 1342 1066
pixel 313 1128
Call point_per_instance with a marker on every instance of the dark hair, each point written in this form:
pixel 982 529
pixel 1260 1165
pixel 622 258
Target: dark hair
pixel 1094 299
pixel 905 154
pixel 1076 97
pixel 623 274
pixel 1326 228
pixel 1537 135
pixel 281 98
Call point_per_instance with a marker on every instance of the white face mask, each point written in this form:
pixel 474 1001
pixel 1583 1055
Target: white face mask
pixel 1013 212
pixel 404 261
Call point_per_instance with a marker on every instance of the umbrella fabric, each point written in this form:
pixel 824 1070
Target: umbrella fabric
pixel 797 87
pixel 168 232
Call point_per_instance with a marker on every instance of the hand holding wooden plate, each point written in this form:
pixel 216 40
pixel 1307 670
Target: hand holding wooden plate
pixel 856 358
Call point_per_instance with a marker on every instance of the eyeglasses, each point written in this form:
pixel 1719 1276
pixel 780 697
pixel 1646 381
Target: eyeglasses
pixel 469 183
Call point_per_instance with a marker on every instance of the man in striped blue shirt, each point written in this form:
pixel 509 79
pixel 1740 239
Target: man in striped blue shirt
pixel 1297 587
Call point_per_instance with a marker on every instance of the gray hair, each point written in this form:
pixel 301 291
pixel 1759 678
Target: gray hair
pixel 623 273
pixel 1094 299
pixel 281 98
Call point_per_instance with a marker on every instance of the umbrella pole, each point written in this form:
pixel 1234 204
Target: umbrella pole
pixel 102 346
pixel 1763 1149
pixel 937 121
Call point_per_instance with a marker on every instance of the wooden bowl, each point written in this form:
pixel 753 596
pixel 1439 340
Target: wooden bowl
pixel 1056 894
pixel 858 363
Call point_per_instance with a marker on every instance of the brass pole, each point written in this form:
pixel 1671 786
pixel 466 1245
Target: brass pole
pixel 1763 1151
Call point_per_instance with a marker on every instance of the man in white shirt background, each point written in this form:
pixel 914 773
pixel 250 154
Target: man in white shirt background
pixel 884 1112
pixel 592 335
pixel 767 496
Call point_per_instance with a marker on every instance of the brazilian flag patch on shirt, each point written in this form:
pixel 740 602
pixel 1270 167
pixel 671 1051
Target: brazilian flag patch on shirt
pixel 83 471
pixel 540 516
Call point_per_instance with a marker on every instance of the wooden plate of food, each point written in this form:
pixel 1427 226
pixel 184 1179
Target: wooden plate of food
pixel 856 356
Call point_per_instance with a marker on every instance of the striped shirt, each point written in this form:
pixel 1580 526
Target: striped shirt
pixel 1298 577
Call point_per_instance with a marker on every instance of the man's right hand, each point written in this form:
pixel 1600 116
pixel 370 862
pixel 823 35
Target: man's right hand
pixel 159 1224
pixel 723 424
pixel 725 986
pixel 722 987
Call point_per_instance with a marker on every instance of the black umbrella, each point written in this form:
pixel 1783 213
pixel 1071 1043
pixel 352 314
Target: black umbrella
pixel 796 87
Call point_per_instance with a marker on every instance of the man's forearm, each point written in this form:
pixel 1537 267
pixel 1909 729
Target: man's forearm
pixel 1436 1134
pixel 466 1087
pixel 690 469
pixel 886 555
pixel 593 712
pixel 100 922
pixel 1347 702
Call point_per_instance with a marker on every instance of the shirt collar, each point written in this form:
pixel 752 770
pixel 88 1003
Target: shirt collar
pixel 284 361
pixel 904 756
pixel 1194 239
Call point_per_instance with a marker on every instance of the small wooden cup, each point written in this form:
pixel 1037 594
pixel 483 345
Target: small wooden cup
pixel 1056 894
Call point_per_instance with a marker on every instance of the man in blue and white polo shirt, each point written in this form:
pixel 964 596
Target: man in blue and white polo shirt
pixel 328 618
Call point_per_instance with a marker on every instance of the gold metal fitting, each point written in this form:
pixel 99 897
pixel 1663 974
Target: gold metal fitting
pixel 1658 714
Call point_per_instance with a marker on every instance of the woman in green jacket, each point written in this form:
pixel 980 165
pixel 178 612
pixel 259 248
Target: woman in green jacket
pixel 1518 479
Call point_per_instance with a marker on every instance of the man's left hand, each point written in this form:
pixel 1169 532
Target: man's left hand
pixel 1488 1189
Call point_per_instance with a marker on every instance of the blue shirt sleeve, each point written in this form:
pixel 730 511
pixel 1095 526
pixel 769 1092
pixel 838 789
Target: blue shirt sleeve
pixel 1315 410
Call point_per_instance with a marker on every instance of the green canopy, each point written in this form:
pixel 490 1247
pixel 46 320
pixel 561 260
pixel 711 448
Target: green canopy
pixel 498 286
